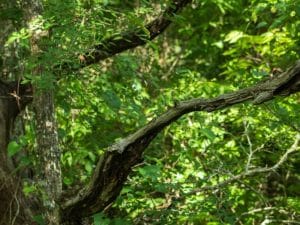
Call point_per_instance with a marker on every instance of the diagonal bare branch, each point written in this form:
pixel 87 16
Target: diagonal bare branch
pixel 128 39
pixel 116 163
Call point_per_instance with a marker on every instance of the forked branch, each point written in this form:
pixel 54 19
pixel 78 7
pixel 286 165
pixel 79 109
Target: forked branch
pixel 252 172
pixel 116 163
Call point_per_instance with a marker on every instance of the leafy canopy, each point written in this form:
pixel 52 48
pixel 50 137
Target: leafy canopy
pixel 211 48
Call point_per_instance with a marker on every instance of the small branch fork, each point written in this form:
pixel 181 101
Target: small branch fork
pixel 248 173
pixel 22 94
pixel 114 166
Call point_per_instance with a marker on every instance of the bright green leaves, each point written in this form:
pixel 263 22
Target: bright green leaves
pixel 212 48
pixel 234 36
pixel 13 148
pixel 275 14
pixel 96 108
pixel 208 133
pixel 151 172
pixel 257 53
pixel 21 37
pixel 29 189
pixel 99 219
pixel 16 149
pixel 81 157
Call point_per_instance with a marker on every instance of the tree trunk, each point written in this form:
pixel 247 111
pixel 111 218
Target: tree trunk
pixel 13 208
pixel 48 151
pixel 49 155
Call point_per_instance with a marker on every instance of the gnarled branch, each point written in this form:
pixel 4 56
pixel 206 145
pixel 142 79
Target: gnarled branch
pixel 116 163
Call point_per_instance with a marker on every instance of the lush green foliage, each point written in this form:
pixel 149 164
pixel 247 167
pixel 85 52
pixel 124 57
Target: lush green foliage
pixel 212 47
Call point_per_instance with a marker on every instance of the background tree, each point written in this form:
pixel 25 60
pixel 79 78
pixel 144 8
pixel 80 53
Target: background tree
pixel 77 153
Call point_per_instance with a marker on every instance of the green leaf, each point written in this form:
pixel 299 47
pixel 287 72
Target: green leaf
pixel 88 166
pixel 39 219
pixel 67 181
pixel 28 189
pixel 13 148
pixel 150 171
pixel 262 24
pixel 112 100
pixel 100 220
pixel 208 133
pixel 234 36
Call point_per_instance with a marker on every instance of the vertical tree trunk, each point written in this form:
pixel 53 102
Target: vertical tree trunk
pixel 13 208
pixel 49 155
pixel 46 129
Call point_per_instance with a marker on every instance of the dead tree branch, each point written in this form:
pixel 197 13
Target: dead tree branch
pixel 116 163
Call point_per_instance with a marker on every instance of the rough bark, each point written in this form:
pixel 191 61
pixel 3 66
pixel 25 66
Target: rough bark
pixel 115 165
pixel 19 95
pixel 13 98
pixel 48 150
pixel 49 155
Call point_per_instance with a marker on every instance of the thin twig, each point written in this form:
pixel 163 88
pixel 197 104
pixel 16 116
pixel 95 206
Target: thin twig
pixel 252 172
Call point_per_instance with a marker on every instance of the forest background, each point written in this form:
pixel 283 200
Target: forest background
pixel 97 121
